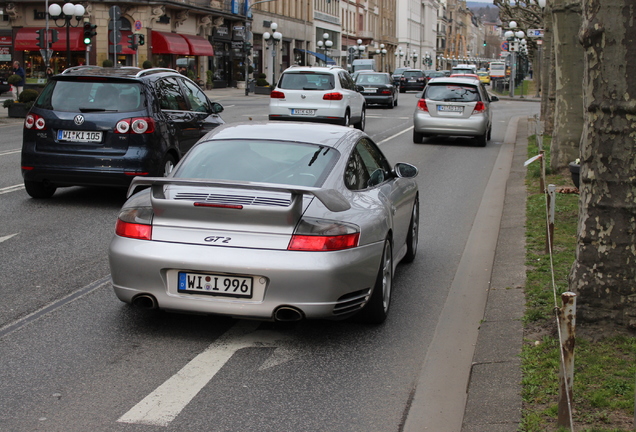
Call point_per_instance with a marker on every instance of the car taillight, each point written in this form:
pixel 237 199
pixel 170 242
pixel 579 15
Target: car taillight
pixel 333 96
pixel 136 125
pixel 135 223
pixel 421 105
pixel 324 235
pixel 277 95
pixel 385 91
pixel 479 108
pixel 34 121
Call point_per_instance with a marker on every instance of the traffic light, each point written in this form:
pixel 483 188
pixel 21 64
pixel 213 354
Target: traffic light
pixel 484 43
pixel 40 38
pixel 141 39
pixel 132 42
pixel 89 32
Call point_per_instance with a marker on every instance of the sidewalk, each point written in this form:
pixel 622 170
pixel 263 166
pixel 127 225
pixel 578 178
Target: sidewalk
pixel 494 391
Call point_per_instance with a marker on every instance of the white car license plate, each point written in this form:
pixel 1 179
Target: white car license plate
pixel 79 136
pixel 303 112
pixel 216 284
pixel 369 90
pixel 450 108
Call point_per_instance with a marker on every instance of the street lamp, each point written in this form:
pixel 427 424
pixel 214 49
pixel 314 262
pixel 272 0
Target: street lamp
pixel 381 51
pixel 327 44
pixel 67 12
pixel 247 44
pixel 428 60
pixel 359 48
pixel 514 42
pixel 273 40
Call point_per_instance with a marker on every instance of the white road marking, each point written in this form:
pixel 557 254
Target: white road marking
pixel 395 135
pixel 11 189
pixel 5 238
pixel 164 404
pixel 8 152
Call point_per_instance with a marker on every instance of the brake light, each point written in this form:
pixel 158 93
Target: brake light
pixel 135 223
pixel 320 235
pixel 386 91
pixel 479 108
pixel 34 121
pixel 136 125
pixel 277 95
pixel 421 105
pixel 333 96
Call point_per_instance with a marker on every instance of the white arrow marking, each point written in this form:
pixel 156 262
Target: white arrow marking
pixel 163 405
pixel 5 238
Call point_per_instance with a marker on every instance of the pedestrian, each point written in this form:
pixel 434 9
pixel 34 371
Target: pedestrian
pixel 19 87
pixel 49 73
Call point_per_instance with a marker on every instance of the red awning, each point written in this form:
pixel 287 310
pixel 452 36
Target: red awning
pixel 26 39
pixel 199 45
pixel 123 42
pixel 169 43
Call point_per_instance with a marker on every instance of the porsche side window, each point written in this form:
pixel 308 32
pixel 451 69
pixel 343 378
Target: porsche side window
pixel 356 174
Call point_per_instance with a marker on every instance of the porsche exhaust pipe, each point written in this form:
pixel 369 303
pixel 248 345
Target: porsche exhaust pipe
pixel 145 301
pixel 288 314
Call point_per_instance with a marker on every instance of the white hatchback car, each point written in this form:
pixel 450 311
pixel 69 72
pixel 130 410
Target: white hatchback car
pixel 318 94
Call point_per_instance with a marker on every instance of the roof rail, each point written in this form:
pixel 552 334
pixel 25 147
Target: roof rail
pixel 77 68
pixel 153 70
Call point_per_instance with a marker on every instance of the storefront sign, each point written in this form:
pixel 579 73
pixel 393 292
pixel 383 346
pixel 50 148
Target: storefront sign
pixel 5 53
pixel 6 40
pixel 221 33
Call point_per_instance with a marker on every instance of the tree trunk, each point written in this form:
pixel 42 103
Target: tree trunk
pixel 568 54
pixel 604 273
pixel 548 75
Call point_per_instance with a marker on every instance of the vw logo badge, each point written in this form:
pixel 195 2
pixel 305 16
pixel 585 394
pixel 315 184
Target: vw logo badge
pixel 79 119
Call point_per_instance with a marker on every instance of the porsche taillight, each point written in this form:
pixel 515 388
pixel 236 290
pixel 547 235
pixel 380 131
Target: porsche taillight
pixel 135 223
pixel 321 235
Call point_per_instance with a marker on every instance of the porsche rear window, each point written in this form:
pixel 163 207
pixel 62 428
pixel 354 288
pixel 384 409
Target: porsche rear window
pixel 259 161
pixel 452 92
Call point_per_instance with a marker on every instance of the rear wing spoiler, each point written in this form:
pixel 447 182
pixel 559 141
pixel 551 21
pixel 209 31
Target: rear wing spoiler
pixel 331 198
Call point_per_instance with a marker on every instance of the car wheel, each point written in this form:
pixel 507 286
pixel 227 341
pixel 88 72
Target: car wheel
pixel 346 121
pixel 377 308
pixel 39 190
pixel 412 237
pixel 417 137
pixel 489 133
pixel 395 101
pixel 168 164
pixel 363 120
pixel 482 140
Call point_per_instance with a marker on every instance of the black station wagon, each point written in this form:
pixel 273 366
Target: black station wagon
pixel 94 126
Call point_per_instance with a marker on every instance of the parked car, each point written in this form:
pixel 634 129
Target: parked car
pixel 318 94
pixel 412 79
pixel 378 88
pixel 397 75
pixel 454 107
pixel 484 77
pixel 94 126
pixel 270 221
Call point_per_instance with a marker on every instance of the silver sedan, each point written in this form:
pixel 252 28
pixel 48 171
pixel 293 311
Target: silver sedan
pixel 270 221
pixel 454 107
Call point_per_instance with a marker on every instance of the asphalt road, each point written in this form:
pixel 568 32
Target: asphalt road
pixel 74 358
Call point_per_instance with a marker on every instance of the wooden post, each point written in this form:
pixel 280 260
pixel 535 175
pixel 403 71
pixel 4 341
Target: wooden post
pixel 567 326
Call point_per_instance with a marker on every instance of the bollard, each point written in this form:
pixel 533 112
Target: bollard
pixel 567 326
pixel 549 235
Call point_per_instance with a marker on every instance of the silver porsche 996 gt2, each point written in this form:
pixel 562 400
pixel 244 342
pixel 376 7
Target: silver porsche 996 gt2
pixel 270 221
